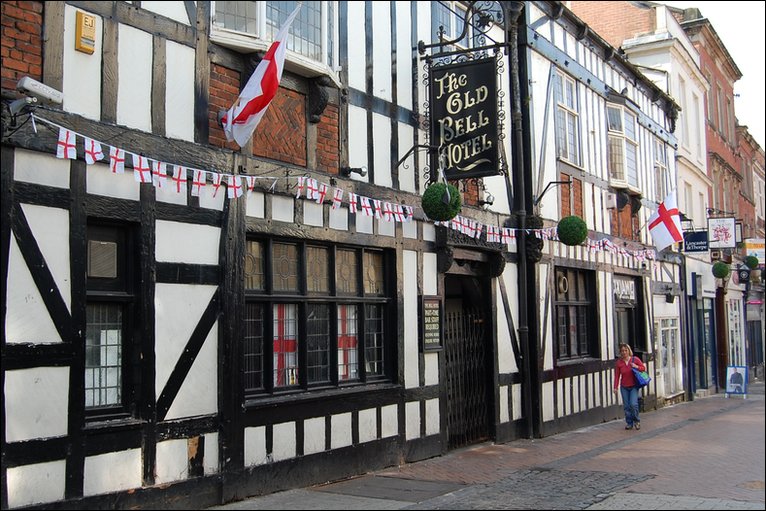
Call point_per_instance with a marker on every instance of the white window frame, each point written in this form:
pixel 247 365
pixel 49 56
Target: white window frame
pixel 661 176
pixel 457 13
pixel 567 107
pixel 621 173
pixel 261 39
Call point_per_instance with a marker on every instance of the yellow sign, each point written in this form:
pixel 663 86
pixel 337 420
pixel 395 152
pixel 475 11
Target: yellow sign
pixel 85 33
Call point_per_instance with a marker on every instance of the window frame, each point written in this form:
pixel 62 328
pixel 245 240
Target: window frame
pixel 583 345
pixel 262 37
pixel 570 152
pixel 619 135
pixel 661 176
pixel 119 291
pixel 261 381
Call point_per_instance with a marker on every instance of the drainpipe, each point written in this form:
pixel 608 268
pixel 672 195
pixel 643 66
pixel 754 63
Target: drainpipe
pixel 512 14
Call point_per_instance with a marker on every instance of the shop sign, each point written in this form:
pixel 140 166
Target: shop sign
pixel 695 241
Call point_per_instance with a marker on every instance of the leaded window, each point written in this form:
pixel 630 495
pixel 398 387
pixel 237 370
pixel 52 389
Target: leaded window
pixel 314 316
pixel 575 314
pixel 622 149
pixel 567 119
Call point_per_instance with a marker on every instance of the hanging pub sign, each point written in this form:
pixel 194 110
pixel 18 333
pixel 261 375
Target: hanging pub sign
pixel 464 118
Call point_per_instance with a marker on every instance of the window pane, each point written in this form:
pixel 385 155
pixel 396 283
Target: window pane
pixel 285 267
pixel 253 346
pixel 373 340
pixel 347 342
pixel 285 344
pixel 254 266
pixel 373 273
pixel 345 272
pixel 103 355
pixel 614 119
pixel 305 31
pixel 317 278
pixel 616 156
pixel 318 343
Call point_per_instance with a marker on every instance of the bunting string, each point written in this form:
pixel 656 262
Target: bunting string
pixel 178 177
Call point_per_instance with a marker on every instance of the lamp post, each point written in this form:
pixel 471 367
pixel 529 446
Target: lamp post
pixel 512 13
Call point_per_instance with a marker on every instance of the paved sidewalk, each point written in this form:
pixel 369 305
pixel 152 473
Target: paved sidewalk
pixel 704 454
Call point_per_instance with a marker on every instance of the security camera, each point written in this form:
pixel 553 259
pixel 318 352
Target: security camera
pixel 40 90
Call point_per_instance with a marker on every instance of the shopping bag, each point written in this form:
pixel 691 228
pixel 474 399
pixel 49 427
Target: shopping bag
pixel 642 378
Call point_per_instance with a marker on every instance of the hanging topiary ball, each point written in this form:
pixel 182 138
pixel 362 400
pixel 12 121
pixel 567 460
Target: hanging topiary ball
pixel 721 270
pixel 572 230
pixel 441 201
pixel 751 262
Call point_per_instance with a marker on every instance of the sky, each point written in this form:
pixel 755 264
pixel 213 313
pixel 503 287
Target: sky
pixel 740 25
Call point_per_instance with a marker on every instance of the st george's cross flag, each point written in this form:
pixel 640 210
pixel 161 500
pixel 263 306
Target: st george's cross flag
pixel 665 223
pixel 245 114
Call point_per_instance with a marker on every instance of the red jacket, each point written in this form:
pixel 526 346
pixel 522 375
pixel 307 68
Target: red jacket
pixel 625 371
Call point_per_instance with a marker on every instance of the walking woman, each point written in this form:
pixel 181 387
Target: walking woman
pixel 623 376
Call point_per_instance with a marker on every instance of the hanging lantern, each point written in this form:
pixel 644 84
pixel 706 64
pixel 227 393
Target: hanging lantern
pixel 572 230
pixel 441 201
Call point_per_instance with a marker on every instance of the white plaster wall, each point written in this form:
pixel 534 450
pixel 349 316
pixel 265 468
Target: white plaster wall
pixel 255 446
pixel 312 213
pixel 210 198
pixel 410 319
pixel 36 403
pixel 339 219
pixel 168 192
pixel 403 62
pixel 412 420
pixel 506 363
pixel 114 471
pixel 516 400
pixel 410 230
pixel 381 135
pixel 432 417
pixel 368 425
pixel 356 50
pixel 255 204
pixel 283 441
pixel 179 91
pixel 547 403
pixel 50 227
pixel 340 434
pixel 172 461
pixel 357 132
pixel 178 308
pixel 173 10
pixel 36 484
pixel 39 168
pixel 363 223
pixel 101 181
pixel 504 411
pixel 407 169
pixel 82 71
pixel 386 228
pixel 431 361
pixel 27 318
pixel 134 93
pixel 210 462
pixel 313 435
pixel 389 425
pixel 179 242
pixel 381 50
pixel 430 274
pixel 282 208
pixel 429 231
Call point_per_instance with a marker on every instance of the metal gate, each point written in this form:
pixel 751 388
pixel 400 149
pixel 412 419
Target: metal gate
pixel 466 350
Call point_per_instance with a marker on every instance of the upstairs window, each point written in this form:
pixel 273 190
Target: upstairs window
pixel 252 26
pixel 661 177
pixel 622 149
pixel 567 119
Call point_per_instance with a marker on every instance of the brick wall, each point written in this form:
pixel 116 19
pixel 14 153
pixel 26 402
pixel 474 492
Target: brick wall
pixel 281 135
pixel 615 21
pixel 328 141
pixel 22 47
